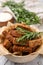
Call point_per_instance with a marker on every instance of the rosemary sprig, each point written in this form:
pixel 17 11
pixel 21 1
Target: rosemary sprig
pixel 22 30
pixel 21 14
pixel 27 34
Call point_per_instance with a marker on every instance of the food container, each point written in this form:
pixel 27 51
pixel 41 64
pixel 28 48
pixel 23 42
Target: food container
pixel 19 59
pixel 22 59
pixel 5 17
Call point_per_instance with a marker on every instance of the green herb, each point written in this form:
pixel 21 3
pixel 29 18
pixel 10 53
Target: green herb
pixel 21 14
pixel 27 34
pixel 22 30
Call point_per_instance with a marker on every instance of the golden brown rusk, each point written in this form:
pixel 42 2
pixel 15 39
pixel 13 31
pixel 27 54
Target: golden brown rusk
pixel 9 39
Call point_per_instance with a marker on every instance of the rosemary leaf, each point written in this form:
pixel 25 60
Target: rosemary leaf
pixel 21 14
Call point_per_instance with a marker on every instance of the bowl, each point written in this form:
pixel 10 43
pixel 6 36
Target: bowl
pixel 15 58
pixel 5 17
pixel 26 58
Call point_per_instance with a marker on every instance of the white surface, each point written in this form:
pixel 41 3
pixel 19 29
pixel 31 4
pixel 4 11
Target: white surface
pixel 37 61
